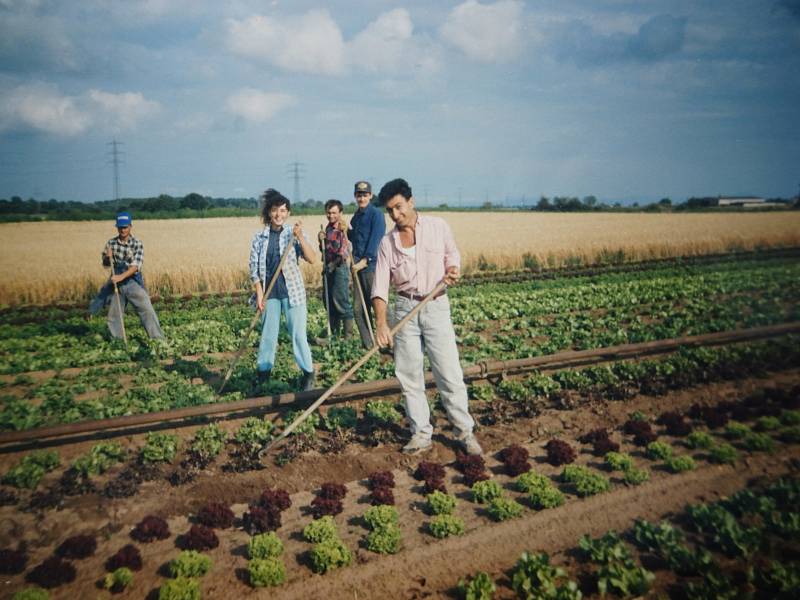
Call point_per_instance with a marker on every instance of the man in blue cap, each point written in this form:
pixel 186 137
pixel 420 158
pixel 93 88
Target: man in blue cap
pixel 125 254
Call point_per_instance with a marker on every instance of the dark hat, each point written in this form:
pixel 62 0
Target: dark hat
pixel 124 219
pixel 362 186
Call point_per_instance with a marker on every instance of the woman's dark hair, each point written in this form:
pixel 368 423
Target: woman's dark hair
pixel 270 199
pixel 333 202
pixel 392 188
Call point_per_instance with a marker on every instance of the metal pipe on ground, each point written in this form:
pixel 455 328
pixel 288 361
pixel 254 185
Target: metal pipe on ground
pixel 561 360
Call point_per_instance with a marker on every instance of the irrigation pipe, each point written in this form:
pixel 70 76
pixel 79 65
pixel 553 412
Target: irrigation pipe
pixel 367 389
pixel 246 336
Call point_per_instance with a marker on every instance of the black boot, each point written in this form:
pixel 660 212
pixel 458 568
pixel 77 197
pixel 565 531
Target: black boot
pixel 307 382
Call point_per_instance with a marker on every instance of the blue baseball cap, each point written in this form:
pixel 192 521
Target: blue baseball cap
pixel 124 219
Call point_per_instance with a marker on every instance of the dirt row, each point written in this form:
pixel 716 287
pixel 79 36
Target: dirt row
pixel 425 566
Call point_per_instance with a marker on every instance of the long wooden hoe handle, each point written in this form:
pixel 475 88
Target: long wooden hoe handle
pixel 119 304
pixel 325 283
pixel 357 283
pixel 243 343
pixel 352 370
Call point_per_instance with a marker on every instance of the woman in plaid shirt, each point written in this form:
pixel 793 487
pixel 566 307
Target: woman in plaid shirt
pixel 288 295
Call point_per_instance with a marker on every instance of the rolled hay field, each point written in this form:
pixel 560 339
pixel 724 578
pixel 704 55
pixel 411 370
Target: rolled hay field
pixel 60 261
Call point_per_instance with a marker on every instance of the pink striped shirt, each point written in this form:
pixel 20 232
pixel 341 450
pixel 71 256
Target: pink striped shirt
pixel 435 252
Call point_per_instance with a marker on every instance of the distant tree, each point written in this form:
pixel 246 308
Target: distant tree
pixel 487 206
pixel 195 201
pixel 443 205
pixel 589 201
pixel 665 202
pixel 544 204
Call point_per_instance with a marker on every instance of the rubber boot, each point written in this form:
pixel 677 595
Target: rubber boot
pixel 307 382
pixel 348 328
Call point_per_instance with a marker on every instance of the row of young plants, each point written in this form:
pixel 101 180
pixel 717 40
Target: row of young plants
pixel 739 547
pixel 380 422
pixel 772 413
pixel 556 315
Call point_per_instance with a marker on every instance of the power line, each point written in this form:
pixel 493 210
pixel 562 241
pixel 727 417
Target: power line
pixel 295 169
pixel 115 160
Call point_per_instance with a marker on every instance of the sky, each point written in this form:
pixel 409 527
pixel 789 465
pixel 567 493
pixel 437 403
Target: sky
pixel 469 101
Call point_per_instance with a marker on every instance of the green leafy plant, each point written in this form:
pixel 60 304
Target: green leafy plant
pixel 659 451
pixel 634 476
pixel 382 412
pixel 190 563
pixel 618 572
pixel 723 454
pixel 209 441
pixel 31 594
pixel 340 417
pixel 382 515
pixel 619 461
pixel 679 464
pixel 99 459
pixel 265 545
pixel 502 509
pixel 159 447
pixel 758 442
pixel 667 542
pixel 790 417
pixel 180 588
pixel 723 530
pixel 385 540
pixel 584 481
pixel 482 392
pixel 699 440
pixel 480 587
pixel 534 578
pixel 254 432
pixel 513 390
pixel 735 430
pixel 307 427
pixel 781 580
pixel 442 526
pixel 330 554
pixel 541 491
pixel 440 503
pixel 767 423
pixel 320 530
pixel 30 470
pixel 118 580
pixel 484 491
pixel 268 571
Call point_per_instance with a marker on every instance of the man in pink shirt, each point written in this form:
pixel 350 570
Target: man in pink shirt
pixel 414 257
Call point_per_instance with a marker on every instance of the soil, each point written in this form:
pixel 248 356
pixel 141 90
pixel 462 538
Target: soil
pixel 425 567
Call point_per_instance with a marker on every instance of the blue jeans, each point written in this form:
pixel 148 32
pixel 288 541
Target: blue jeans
pixel 431 331
pixel 131 291
pixel 295 324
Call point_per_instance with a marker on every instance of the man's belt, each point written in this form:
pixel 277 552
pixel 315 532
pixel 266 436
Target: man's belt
pixel 419 298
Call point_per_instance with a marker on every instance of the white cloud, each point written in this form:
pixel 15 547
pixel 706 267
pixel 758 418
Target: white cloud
pixel 41 107
pixel 488 33
pixel 385 42
pixel 257 106
pixel 310 43
pixel 125 110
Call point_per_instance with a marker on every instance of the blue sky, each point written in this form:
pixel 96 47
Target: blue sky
pixel 622 99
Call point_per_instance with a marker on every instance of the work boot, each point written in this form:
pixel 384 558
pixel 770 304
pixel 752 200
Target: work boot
pixel 418 444
pixel 470 444
pixel 348 328
pixel 307 382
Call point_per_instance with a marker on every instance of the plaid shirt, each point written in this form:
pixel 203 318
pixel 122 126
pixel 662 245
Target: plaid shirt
pixel 336 246
pixel 291 268
pixel 125 254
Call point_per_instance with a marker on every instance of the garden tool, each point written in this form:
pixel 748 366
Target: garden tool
pixel 119 302
pixel 357 284
pixel 325 281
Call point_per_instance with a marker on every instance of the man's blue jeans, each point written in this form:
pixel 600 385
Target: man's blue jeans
pixel 131 291
pixel 295 324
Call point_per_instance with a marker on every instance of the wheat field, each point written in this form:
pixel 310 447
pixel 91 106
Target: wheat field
pixel 60 261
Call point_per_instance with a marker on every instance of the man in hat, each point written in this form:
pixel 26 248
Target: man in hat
pixel 125 254
pixel 366 230
pixel 415 257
